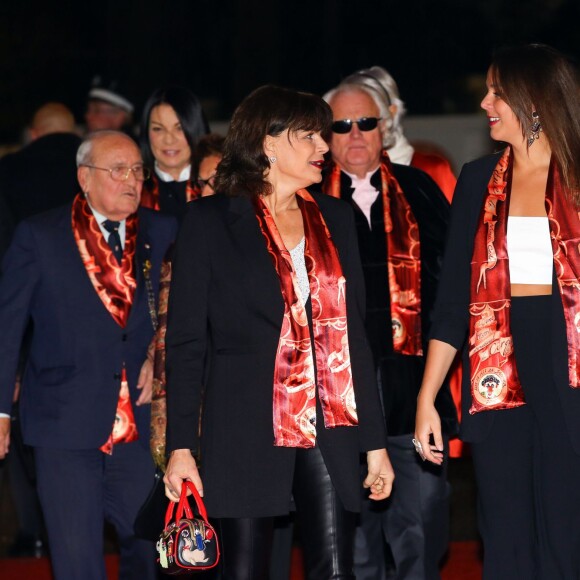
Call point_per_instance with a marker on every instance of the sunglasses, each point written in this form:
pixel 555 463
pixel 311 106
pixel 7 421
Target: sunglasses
pixel 364 124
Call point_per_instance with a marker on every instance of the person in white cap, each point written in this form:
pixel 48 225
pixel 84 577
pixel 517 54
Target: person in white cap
pixel 107 107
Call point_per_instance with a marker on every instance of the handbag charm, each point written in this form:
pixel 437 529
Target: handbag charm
pixel 187 543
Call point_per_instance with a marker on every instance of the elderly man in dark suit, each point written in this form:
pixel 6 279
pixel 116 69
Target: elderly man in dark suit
pixel 401 217
pixel 87 276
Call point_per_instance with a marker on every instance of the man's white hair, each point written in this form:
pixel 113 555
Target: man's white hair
pixel 85 150
pixel 373 93
pixel 385 93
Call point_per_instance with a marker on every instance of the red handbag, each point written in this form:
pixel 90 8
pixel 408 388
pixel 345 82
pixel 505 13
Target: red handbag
pixel 188 543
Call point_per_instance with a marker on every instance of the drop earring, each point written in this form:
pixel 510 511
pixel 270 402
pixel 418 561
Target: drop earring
pixel 535 129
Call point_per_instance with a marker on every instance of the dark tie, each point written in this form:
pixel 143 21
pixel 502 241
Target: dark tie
pixel 114 240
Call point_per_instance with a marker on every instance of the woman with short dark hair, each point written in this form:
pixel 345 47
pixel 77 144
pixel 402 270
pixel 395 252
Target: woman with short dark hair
pixel 171 126
pixel 289 397
pixel 509 295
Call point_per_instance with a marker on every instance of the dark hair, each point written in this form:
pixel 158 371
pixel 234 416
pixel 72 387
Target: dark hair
pixel 270 111
pixel 538 77
pixel 208 145
pixel 188 110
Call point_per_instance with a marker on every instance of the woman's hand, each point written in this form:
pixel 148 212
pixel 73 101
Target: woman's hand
pixel 380 475
pixel 181 467
pixel 440 356
pixel 428 423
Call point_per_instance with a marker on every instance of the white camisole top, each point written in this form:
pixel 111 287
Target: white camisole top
pixel 530 250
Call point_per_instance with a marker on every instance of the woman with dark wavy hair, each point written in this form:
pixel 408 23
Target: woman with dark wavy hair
pixel 276 337
pixel 171 126
pixel 509 294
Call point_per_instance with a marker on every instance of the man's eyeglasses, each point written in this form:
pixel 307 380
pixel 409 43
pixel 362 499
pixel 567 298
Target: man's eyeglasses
pixel 122 173
pixel 201 183
pixel 364 124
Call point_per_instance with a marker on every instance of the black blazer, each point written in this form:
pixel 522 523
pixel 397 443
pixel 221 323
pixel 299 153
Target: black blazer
pixel 72 376
pixel 226 299
pixel 171 196
pixel 41 176
pixel 6 226
pixel 451 316
pixel 401 375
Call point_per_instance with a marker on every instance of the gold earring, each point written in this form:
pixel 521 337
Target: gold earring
pixel 535 129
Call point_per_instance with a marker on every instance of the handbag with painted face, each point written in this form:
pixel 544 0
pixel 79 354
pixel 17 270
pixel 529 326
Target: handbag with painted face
pixel 187 543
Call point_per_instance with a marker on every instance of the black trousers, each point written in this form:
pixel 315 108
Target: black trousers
pixel 527 472
pixel 326 529
pixel 414 521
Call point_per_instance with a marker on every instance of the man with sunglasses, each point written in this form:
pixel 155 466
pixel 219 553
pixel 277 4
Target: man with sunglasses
pixel 86 274
pixel 401 217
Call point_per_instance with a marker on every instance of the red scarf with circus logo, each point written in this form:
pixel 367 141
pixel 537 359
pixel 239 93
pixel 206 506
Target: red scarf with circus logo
pixel 294 399
pixel 403 258
pixel 115 285
pixel 494 378
pixel 150 193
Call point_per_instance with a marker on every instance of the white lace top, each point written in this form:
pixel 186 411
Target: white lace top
pixel 297 255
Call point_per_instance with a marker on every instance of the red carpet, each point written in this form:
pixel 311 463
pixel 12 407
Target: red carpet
pixel 463 564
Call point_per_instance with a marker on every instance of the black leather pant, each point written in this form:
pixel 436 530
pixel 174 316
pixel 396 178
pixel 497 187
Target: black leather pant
pixel 326 529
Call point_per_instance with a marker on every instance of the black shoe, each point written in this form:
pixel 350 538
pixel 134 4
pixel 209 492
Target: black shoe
pixel 27 546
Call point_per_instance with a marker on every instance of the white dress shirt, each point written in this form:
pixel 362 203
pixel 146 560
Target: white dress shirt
pixel 364 194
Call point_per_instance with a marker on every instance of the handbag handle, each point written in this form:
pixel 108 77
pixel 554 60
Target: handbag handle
pixel 183 505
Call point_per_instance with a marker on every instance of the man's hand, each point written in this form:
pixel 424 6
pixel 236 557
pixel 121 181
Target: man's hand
pixel 4 436
pixel 145 383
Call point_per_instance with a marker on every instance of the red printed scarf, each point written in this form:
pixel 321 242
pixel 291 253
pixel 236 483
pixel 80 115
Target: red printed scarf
pixel 124 427
pixel 150 193
pixel 294 400
pixel 403 259
pixel 494 377
pixel 115 284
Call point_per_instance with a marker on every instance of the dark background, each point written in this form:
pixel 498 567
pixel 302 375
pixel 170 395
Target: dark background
pixel 437 50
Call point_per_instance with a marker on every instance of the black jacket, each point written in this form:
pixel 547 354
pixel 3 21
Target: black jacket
pixel 401 375
pixel 172 200
pixel 226 299
pixel 41 176
pixel 451 313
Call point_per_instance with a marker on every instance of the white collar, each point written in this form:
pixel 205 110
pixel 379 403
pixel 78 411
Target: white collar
pixel 364 194
pixel 99 216
pixel 360 180
pixel 164 176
